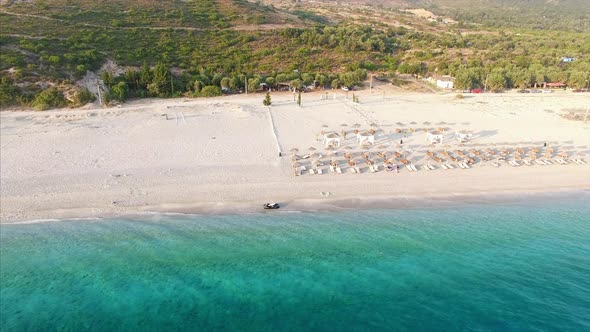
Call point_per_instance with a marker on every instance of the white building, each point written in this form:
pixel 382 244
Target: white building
pixel 445 82
pixel 331 139
pixel 365 136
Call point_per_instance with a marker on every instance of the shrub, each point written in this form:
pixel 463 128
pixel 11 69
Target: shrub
pixel 83 97
pixel 210 91
pixel 49 98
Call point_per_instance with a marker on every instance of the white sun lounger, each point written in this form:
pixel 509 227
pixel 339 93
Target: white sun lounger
pixel 352 170
pixel 547 162
pixel 513 163
pixel 414 168
pixel 528 163
pixel 319 170
pixel 581 161
pixel 306 156
pixel 444 166
pixel 425 167
pixel 312 172
pixel 332 169
pixel 358 170
pixel 449 166
pixel 376 168
pixel 371 169
pixel 466 166
pixel 431 167
pixel 495 164
pixel 338 170
pixel 409 168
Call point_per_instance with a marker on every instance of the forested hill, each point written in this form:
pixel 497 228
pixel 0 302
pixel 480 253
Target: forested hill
pixel 203 47
pixel 571 15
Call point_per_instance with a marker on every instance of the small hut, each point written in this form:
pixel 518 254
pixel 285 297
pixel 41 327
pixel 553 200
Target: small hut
pixel 331 139
pixel 365 136
pixel 434 137
pixel 463 136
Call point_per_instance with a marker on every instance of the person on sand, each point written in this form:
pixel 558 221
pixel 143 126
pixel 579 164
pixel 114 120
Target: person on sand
pixel 401 141
pixel 545 144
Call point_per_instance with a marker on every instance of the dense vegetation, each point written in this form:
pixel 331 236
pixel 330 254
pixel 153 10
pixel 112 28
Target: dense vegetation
pixel 203 48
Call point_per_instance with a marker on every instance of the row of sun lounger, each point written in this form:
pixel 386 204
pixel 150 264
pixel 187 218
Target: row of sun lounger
pixel 413 168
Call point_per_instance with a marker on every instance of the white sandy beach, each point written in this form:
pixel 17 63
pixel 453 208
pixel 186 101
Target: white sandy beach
pixel 220 154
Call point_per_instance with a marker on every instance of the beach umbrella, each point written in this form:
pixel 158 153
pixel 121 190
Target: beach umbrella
pixel 413 123
pixel 324 126
pixel 374 125
pixel 400 124
pixel 356 125
pixel 426 123
pixel 311 148
pixel 343 125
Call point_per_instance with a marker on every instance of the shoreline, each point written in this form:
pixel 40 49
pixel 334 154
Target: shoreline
pixel 314 205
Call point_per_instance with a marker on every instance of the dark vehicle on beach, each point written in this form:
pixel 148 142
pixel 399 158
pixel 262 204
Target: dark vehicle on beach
pixel 271 206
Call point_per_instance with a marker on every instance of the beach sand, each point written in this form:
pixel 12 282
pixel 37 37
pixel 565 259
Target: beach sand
pixel 222 154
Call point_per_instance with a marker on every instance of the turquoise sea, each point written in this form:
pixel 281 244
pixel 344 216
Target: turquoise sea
pixel 521 265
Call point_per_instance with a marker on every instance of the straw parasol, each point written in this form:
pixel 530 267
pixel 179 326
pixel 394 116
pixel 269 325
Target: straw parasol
pixel 356 125
pixel 400 124
pixel 374 125
pixel 426 123
pixel 343 125
pixel 311 148
pixel 413 123
pixel 324 126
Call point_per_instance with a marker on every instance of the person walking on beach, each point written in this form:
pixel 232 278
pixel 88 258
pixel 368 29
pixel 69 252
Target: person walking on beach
pixel 401 141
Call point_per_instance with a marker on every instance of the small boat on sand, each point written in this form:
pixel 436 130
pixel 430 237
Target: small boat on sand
pixel 271 206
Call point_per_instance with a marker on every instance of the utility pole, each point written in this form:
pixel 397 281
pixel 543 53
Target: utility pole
pixel 99 94
pixel 246 83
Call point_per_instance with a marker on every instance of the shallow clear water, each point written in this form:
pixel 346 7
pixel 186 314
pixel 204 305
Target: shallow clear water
pixel 502 267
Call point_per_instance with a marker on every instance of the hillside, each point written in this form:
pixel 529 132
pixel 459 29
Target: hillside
pixel 201 47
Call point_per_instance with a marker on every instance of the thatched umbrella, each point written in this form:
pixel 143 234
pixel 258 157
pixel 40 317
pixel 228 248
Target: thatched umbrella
pixel 356 125
pixel 374 125
pixel 324 126
pixel 413 123
pixel 426 123
pixel 400 124
pixel 311 148
pixel 343 125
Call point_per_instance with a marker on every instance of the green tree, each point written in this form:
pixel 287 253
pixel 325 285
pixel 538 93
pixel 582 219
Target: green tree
pixel 120 91
pixel 160 85
pixel 8 92
pixel 267 101
pixel 496 81
pixel 145 76
pixel 107 78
